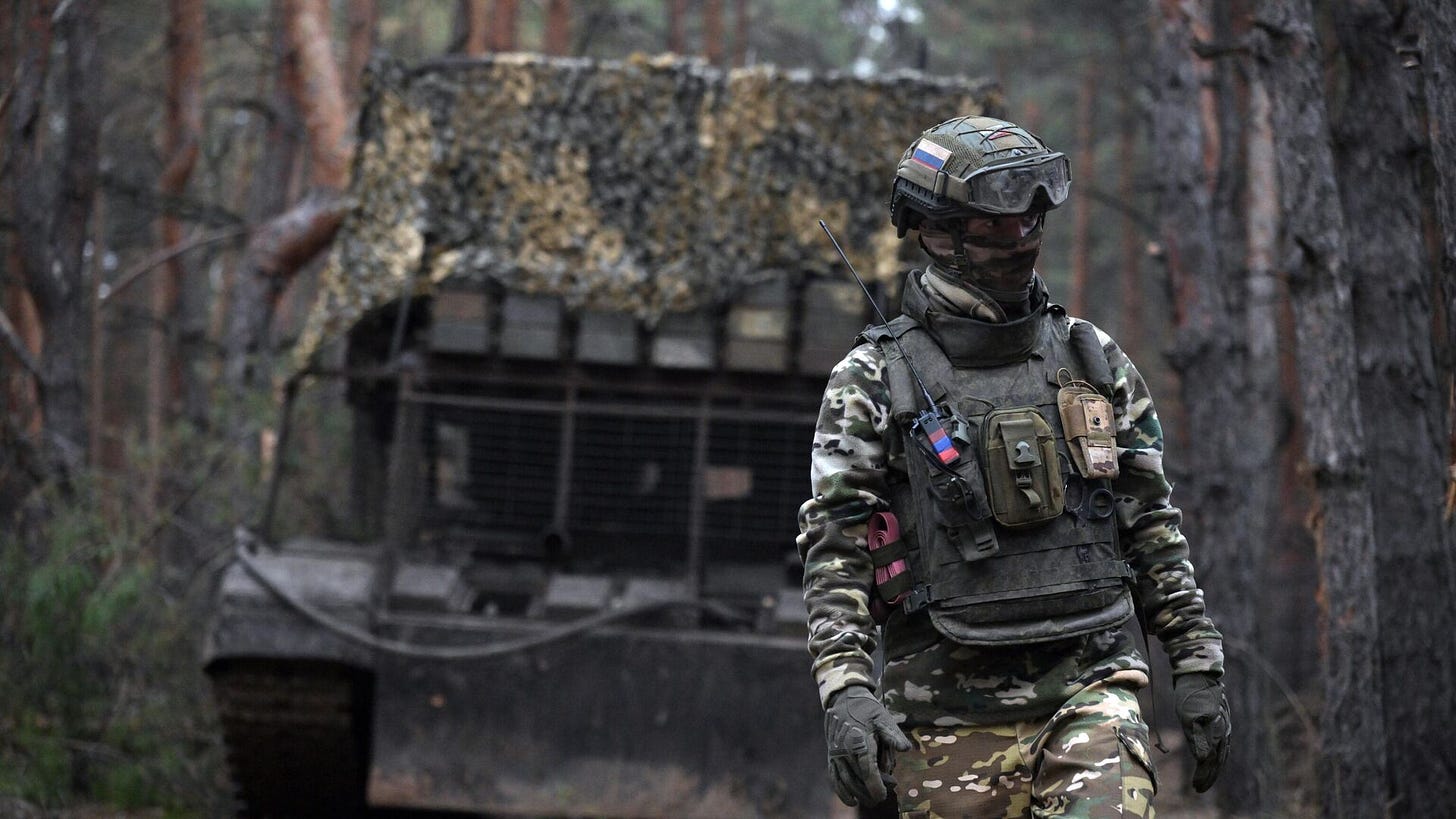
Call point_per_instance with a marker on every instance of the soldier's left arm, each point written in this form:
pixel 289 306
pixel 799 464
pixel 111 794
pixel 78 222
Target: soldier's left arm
pixel 1148 523
pixel 848 473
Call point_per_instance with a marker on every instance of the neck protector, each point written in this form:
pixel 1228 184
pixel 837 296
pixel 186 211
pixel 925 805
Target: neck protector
pixel 974 342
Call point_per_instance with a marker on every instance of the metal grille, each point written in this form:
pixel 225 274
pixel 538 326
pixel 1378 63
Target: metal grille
pixel 492 476
pixel 765 466
pixel 615 482
pixel 631 482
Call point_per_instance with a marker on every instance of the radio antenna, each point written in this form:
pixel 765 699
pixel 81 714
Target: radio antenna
pixel 886 322
pixel 929 420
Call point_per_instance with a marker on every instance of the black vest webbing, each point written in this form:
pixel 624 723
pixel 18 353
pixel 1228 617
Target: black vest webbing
pixel 1063 578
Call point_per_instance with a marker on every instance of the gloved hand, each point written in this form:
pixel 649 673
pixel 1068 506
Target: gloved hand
pixel 862 739
pixel 1204 711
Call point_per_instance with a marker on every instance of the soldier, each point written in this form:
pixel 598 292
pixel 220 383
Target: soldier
pixel 988 485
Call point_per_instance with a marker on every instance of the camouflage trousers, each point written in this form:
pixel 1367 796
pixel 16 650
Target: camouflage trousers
pixel 1088 760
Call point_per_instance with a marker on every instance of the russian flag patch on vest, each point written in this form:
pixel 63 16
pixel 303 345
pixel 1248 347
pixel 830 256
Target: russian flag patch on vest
pixel 930 155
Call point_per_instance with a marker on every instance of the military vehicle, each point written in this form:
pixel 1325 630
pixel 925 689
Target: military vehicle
pixel 587 315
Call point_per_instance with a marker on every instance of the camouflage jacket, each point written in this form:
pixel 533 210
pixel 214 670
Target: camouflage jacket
pixel 947 683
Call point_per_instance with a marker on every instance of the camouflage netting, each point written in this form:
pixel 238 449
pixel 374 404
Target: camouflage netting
pixel 648 186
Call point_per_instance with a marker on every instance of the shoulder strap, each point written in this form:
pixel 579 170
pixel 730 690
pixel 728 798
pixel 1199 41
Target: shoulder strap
pixel 1088 350
pixel 878 334
pixel 904 396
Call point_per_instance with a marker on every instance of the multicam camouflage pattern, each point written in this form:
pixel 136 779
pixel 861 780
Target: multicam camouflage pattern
pixel 855 446
pixel 1090 761
pixel 948 685
pixel 649 186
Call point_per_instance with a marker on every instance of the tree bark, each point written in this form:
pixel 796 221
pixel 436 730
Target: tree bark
pixel 476 17
pixel 1377 143
pixel 1130 330
pixel 280 248
pixel 1352 761
pixel 1248 206
pixel 181 145
pixel 1227 469
pixel 503 25
pixel 557 40
pixel 53 198
pixel 25 59
pixel 677 12
pixel 318 90
pixel 26 142
pixel 741 25
pixel 1437 44
pixel 96 355
pixel 713 31
pixel 362 18
pixel 1082 205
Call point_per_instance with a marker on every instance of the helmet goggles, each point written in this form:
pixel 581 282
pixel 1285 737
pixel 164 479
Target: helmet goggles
pixel 1014 186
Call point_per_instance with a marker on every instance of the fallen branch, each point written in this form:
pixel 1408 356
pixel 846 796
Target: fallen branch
pixel 287 242
pixel 17 346
pixel 161 257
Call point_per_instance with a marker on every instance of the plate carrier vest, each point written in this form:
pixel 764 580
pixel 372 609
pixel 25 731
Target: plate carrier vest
pixel 982 582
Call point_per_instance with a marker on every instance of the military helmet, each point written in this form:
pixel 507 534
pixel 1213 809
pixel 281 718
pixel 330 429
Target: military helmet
pixel 976 165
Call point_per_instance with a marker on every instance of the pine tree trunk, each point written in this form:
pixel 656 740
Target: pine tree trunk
pixel 503 25
pixel 713 31
pixel 96 338
pixel 1130 331
pixel 181 144
pixel 249 296
pixel 1228 462
pixel 362 18
pixel 740 33
pixel 557 39
pixel 475 19
pixel 63 305
pixel 1438 70
pixel 318 90
pixel 677 12
pixel 1082 205
pixel 288 241
pixel 53 191
pixel 25 181
pixel 1248 205
pixel 1353 739
pixel 1376 141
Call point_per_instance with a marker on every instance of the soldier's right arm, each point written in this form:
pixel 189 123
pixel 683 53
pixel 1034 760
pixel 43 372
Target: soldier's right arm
pixel 847 470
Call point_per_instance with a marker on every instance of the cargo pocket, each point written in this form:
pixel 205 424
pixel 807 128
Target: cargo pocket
pixel 1139 780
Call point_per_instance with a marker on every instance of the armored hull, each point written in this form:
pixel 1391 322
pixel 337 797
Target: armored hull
pixel 660 713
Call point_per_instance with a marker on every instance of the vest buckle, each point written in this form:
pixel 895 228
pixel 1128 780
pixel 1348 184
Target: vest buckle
pixel 917 599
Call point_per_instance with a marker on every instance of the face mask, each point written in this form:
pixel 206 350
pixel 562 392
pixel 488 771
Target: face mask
pixel 1000 265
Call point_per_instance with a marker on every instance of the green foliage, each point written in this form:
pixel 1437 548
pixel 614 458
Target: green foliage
pixel 101 696
pixel 314 495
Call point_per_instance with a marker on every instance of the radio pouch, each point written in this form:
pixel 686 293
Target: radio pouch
pixel 1087 423
pixel 1019 457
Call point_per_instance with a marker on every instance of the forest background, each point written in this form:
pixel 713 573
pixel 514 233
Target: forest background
pixel 1264 216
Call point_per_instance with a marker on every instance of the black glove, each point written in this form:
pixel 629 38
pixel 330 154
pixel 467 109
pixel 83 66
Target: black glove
pixel 1204 711
pixel 862 739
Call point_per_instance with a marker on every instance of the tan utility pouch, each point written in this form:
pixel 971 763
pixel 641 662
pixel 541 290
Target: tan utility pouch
pixel 1087 423
pixel 1020 462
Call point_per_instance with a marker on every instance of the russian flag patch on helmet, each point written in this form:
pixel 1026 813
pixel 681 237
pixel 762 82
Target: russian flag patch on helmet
pixel 930 155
